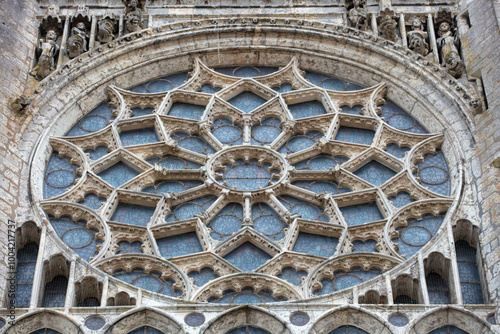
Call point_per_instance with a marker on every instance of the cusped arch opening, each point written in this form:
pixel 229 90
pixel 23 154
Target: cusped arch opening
pixel 37 320
pixel 144 317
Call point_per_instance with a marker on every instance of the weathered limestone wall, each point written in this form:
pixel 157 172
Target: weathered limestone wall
pixel 18 34
pixel 481 44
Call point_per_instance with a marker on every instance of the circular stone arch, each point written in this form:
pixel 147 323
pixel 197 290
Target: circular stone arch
pixel 54 320
pixel 143 316
pixel 349 315
pixel 246 316
pixel 452 316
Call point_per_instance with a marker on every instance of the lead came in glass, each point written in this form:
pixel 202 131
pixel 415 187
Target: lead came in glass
pixel 307 109
pixel 247 101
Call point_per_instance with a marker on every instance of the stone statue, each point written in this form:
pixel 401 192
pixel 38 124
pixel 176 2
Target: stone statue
pixel 106 29
pixel 47 52
pixel 417 37
pixel 77 42
pixel 133 17
pixel 358 16
pixel 388 26
pixel 448 44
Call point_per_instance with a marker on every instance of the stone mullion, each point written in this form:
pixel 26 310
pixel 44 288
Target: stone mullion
pixel 247 130
pixel 422 280
pixel 454 279
pixel 388 285
pixel 38 277
pixel 247 210
pixel 104 295
pixel 70 290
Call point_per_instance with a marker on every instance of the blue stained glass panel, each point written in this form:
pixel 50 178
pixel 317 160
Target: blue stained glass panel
pixel 247 257
pixel 95 120
pixel 348 330
pixel 437 288
pixel 54 294
pixel 248 330
pixel 25 273
pixel 361 213
pixel 315 244
pixel 327 82
pixel 208 88
pixel 398 320
pixel 138 137
pixel 95 323
pixel 331 187
pixel 227 221
pixel 345 280
pixel 148 281
pixel 266 132
pixel 267 221
pixel 246 71
pixel 93 201
pixel 118 174
pixel 76 235
pixel 190 209
pixel 186 110
pixel 247 176
pixel 300 142
pixel 400 119
pixel 132 214
pixel 375 173
pixel 395 150
pixel 307 109
pixel 129 247
pixel 227 133
pixel 283 88
pixel 434 173
pixel 354 110
pixel 417 234
pixel 177 245
pixel 98 153
pixel 45 331
pixel 137 112
pixel 194 319
pixel 293 276
pixel 192 142
pixel 355 135
pixel 161 84
pixel 247 101
pixel 448 330
pixel 172 162
pixel 203 276
pixel 468 273
pixel 299 318
pixel 321 162
pixel 60 175
pixel 146 330
pixel 401 199
pixel 171 186
pixel 246 296
pixel 367 246
pixel 305 209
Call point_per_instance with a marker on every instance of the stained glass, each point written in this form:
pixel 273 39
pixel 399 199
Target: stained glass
pixel 161 84
pixel 247 257
pixel 434 174
pixel 396 150
pixel 248 330
pixel 417 234
pixel 60 175
pixel 227 221
pixel 177 245
pixel 300 142
pixel 375 173
pixel 148 281
pixel 203 276
pixel 246 296
pixel 137 112
pixel 283 88
pixel 76 235
pixel 307 109
pixel 267 221
pixel 367 246
pixel 129 247
pixel 437 289
pixel 344 280
pixel 95 323
pixel 98 153
pixel 132 214
pixel 355 135
pixel 315 244
pixel 361 213
pixel 172 162
pixel 247 101
pixel 208 88
pixel 468 273
pixel 448 330
pixel 90 302
pixel 54 294
pixel 118 174
pixel 247 71
pixel 192 142
pixel 401 199
pixel 321 162
pixel 227 133
pixel 266 132
pixel 95 120
pixel 404 299
pixel 304 209
pixel 190 209
pixel 93 201
pixel 45 331
pixel 400 119
pixel 348 330
pixel 138 137
pixel 291 275
pixel 146 330
pixel 299 318
pixel 194 319
pixel 25 273
pixel 247 175
pixel 186 110
pixel 171 186
pixel 398 320
pixel 331 187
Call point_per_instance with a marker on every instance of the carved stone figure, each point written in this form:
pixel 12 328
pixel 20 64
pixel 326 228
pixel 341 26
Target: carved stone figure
pixel 388 26
pixel 106 29
pixel 77 42
pixel 133 17
pixel 417 37
pixel 448 44
pixel 358 16
pixel 47 51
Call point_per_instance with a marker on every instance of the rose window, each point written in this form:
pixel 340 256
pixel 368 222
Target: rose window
pixel 246 185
